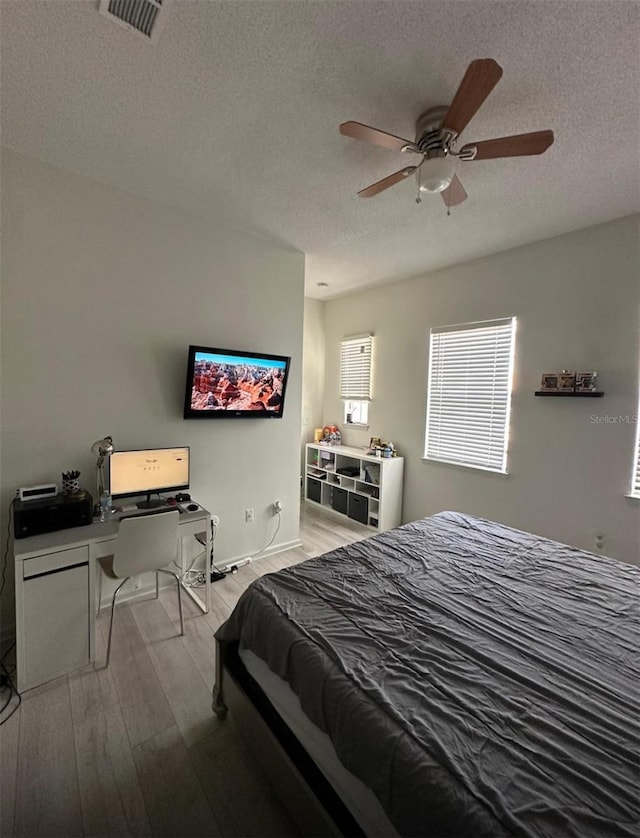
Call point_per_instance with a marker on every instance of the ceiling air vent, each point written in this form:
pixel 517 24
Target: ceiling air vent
pixel 144 17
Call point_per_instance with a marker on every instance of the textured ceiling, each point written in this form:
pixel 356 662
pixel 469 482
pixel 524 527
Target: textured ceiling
pixel 233 115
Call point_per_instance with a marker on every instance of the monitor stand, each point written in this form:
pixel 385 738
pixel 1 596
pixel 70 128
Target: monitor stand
pixel 150 504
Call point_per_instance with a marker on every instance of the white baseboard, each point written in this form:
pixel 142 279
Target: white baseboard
pixel 271 551
pixel 131 594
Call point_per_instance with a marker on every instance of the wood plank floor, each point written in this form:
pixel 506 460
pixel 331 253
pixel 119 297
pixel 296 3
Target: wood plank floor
pixel 136 749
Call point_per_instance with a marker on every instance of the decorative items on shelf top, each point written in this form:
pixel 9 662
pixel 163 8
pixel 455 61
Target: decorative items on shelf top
pixel 569 382
pixel 381 449
pixel 329 435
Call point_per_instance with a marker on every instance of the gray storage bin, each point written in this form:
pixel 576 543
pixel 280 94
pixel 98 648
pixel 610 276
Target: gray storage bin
pixel 314 490
pixel 339 499
pixel 358 508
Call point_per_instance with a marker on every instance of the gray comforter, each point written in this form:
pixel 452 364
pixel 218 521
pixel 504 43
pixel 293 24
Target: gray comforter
pixel 480 680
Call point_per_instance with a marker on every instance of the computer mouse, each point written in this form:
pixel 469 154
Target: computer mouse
pixel 193 507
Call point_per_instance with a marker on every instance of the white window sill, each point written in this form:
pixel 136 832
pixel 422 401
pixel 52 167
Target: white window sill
pixel 485 469
pixel 356 425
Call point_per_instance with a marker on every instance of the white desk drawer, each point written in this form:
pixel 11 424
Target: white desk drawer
pixel 56 623
pixel 54 561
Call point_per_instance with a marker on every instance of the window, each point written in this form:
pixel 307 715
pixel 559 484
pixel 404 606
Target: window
pixel 469 394
pixel 356 412
pixel 355 378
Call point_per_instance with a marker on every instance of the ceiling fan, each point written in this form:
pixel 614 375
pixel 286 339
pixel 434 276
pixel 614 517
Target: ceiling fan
pixel 437 130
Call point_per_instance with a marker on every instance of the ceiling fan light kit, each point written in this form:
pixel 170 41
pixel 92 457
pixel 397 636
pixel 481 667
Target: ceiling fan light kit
pixel 436 173
pixel 437 131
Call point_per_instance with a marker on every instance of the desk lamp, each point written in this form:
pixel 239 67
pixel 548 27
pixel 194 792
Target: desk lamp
pixel 102 447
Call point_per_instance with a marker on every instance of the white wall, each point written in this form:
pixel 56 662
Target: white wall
pixel 576 298
pixel 312 370
pixel 102 294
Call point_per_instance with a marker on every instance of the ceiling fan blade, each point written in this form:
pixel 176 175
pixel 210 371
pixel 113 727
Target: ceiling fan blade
pixel 536 142
pixel 481 77
pixel 455 193
pixel 358 131
pixel 386 182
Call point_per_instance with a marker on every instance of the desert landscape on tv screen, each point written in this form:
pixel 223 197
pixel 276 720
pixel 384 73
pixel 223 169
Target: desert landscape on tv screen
pixel 223 382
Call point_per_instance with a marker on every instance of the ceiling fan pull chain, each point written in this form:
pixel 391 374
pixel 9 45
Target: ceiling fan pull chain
pixel 418 198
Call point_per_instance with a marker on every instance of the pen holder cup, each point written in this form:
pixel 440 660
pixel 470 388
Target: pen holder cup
pixel 71 486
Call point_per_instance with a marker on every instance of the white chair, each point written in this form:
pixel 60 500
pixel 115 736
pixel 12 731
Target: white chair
pixel 146 542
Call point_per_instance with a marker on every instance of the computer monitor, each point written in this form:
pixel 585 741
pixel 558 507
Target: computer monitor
pixel 148 471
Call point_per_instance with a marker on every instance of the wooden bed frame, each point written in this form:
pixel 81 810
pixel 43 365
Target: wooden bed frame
pixel 309 798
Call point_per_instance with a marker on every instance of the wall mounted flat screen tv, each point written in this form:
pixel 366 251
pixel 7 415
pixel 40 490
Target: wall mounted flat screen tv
pixel 225 383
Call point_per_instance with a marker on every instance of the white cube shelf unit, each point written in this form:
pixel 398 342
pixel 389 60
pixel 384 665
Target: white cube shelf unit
pixel 351 483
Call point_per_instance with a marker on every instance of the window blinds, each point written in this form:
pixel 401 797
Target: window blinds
pixel 468 401
pixel 355 367
pixel 635 478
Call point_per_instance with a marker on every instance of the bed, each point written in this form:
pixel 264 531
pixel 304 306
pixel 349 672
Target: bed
pixel 451 677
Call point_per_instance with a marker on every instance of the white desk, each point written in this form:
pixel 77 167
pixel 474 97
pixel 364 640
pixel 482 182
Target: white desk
pixel 55 594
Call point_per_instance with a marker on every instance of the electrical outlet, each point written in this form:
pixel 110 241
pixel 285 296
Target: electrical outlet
pixel 248 516
pixel 277 507
pixel 599 540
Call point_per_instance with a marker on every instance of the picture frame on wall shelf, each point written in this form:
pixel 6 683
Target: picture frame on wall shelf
pixel 566 381
pixel 549 382
pixel 586 381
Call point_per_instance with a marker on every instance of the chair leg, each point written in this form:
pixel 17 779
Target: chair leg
pixel 177 578
pixel 113 609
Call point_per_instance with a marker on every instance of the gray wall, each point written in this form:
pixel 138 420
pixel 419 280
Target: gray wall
pixel 576 298
pixel 102 294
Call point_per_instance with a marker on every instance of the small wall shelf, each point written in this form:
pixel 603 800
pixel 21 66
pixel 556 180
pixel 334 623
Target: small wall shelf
pixel 590 394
